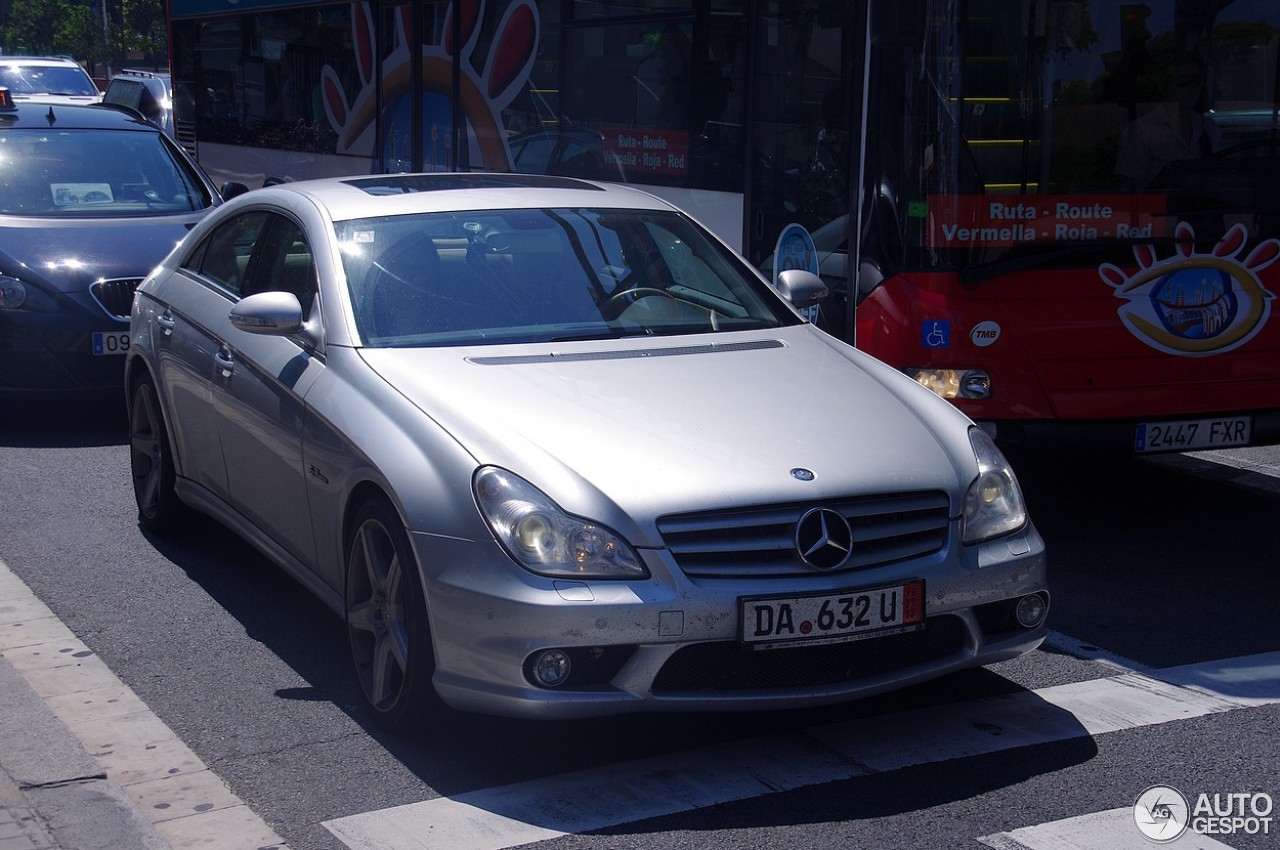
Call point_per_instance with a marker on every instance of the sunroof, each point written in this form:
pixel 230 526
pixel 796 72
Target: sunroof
pixel 402 184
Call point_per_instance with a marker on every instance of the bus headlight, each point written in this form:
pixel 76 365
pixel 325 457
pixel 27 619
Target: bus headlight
pixel 953 383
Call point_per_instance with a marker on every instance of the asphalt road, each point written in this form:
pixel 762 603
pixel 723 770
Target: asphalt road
pixel 1153 568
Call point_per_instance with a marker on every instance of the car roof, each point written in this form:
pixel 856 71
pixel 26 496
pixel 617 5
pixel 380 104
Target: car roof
pixel 48 61
pixel 394 194
pixel 59 116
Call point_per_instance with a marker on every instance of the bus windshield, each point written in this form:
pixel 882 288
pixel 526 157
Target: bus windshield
pixel 1065 132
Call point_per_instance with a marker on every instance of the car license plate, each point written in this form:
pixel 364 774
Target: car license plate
pixel 771 622
pixel 1191 434
pixel 111 342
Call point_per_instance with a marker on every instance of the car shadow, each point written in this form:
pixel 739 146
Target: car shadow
pixel 64 423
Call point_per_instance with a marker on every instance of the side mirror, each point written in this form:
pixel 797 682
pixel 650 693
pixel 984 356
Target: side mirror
pixel 268 314
pixel 801 288
pixel 231 189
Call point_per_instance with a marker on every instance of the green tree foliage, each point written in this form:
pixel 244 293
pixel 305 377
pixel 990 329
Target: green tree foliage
pixel 76 28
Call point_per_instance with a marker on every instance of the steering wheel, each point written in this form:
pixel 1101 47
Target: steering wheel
pixel 615 304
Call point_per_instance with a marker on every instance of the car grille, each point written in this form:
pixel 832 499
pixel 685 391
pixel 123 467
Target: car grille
pixel 115 296
pixel 759 542
pixel 728 666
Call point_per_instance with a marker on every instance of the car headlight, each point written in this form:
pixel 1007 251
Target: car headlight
pixel 16 295
pixel 993 505
pixel 544 539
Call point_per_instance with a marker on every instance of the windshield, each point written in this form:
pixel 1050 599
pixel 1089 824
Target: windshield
pixel 46 79
pixel 542 275
pixel 1061 130
pixel 94 173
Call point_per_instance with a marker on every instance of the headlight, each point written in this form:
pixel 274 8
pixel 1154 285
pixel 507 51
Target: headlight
pixel 16 295
pixel 953 383
pixel 544 539
pixel 993 505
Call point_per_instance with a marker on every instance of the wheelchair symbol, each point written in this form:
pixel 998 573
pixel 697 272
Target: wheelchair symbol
pixel 936 334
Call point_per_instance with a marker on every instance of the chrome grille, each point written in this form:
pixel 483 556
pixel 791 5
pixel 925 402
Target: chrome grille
pixel 759 542
pixel 115 296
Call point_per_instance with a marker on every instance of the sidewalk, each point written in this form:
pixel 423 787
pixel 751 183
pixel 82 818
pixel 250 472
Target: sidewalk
pixel 53 795
pixel 85 765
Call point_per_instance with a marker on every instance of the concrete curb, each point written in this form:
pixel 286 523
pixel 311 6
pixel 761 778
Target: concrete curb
pixel 88 766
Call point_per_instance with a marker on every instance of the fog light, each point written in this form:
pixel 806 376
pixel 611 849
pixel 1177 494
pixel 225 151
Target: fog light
pixel 1031 610
pixel 551 668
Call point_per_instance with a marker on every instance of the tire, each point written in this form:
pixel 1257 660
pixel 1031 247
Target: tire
pixel 387 628
pixel 151 462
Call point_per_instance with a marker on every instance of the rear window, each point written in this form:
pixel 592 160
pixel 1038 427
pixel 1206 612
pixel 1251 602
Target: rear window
pixel 46 79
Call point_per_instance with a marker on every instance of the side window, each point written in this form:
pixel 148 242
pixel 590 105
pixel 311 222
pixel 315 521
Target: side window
pixel 284 262
pixel 224 256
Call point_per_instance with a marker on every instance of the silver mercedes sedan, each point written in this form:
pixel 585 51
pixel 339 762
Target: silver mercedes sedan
pixel 551 449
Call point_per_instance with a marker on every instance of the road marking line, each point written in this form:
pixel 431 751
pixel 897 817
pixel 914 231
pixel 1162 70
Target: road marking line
pixel 1109 830
pixel 582 801
pixel 1089 652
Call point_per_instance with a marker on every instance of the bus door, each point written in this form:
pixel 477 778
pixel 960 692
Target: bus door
pixel 416 104
pixel 802 129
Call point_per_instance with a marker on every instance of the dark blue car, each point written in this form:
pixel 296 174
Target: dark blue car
pixel 91 199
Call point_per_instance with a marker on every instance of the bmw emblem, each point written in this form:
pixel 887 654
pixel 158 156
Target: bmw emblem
pixel 824 539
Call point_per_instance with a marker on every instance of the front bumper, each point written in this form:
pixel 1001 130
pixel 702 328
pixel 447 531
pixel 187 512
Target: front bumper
pixel 671 644
pixel 53 353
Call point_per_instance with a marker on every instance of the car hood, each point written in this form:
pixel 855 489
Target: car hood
pixel 69 255
pixel 690 423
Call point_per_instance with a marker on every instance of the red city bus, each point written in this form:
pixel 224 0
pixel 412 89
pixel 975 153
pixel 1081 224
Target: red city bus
pixel 1061 214
pixel 1072 217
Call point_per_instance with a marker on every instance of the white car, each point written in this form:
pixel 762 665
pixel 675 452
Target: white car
pixel 47 79
pixel 551 449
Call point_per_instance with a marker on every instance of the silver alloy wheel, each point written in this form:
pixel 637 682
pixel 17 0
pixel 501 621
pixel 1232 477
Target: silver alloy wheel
pixel 151 461
pixel 378 614
pixel 144 449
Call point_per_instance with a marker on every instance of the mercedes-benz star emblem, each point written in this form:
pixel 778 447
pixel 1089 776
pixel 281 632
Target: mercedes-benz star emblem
pixel 824 539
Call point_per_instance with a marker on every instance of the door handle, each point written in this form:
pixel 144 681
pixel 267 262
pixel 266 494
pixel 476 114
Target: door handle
pixel 224 361
pixel 166 321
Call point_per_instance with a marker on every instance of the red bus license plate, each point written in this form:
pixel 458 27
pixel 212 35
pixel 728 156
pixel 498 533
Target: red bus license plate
pixel 775 621
pixel 1191 434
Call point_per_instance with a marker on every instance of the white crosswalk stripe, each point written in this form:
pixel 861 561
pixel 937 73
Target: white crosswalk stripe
pixel 1109 830
pixel 522 813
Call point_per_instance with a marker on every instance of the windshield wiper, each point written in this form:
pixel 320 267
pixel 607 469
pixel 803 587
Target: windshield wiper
pixel 621 333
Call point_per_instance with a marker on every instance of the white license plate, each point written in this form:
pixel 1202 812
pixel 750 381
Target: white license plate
pixel 1191 434
pixel 111 342
pixel 776 621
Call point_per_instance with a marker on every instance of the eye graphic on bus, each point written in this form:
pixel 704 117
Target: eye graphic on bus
pixel 483 94
pixel 1195 304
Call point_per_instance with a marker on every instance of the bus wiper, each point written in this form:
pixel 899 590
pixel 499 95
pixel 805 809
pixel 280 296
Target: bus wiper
pixel 972 275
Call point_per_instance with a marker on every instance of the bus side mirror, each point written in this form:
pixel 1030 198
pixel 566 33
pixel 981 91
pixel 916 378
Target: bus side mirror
pixel 801 288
